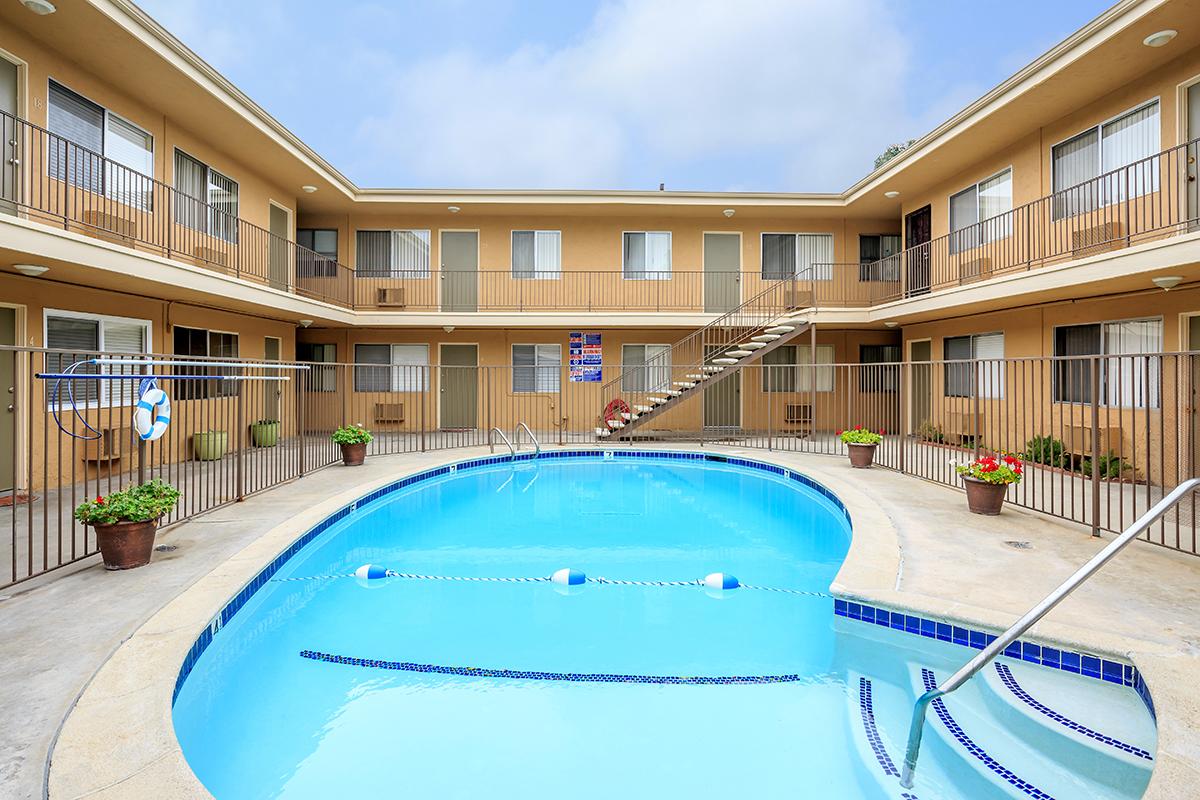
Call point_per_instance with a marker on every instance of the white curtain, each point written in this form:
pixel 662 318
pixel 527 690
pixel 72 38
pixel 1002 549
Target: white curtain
pixel 132 149
pixel 1132 381
pixel 647 256
pixel 410 254
pixel 1125 142
pixel 964 214
pixel 814 251
pixel 536 254
pixel 190 192
pixel 995 201
pixel 822 374
pixel 1075 162
pixel 223 199
pixel 410 364
pixel 990 374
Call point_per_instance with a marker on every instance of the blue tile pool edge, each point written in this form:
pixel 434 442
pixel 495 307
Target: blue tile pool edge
pixel 1088 665
pixel 235 604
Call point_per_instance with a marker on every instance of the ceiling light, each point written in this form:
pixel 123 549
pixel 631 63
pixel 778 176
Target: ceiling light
pixel 448 328
pixel 892 194
pixel 729 212
pixel 453 209
pixel 304 323
pixel 39 7
pixel 891 324
pixel 1160 38
pixel 308 188
pixel 32 270
pixel 1167 282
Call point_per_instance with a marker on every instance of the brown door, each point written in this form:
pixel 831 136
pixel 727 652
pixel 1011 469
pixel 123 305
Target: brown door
pixel 459 386
pixel 918 229
pixel 723 400
pixel 10 137
pixel 8 397
pixel 279 247
pixel 722 272
pixel 460 271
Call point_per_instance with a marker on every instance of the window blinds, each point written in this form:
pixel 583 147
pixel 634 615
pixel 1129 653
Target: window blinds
pixel 81 123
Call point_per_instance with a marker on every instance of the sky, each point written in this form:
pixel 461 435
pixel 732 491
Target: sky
pixel 719 95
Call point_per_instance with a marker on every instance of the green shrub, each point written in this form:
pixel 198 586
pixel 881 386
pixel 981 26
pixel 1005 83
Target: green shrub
pixel 135 504
pixel 1111 467
pixel 1047 450
pixel 352 434
pixel 927 431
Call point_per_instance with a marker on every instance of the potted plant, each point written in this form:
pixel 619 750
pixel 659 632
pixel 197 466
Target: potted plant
pixel 987 479
pixel 210 445
pixel 354 440
pixel 861 442
pixel 125 522
pixel 265 432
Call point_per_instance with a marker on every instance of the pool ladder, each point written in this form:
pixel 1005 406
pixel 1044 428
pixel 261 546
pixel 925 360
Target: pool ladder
pixel 989 653
pixel 537 446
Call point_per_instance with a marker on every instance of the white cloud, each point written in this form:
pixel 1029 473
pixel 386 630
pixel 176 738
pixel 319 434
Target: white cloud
pixel 653 88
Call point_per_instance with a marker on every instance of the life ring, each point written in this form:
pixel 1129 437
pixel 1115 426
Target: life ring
pixel 615 409
pixel 153 414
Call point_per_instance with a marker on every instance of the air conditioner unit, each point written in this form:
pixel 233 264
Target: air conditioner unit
pixel 1097 239
pixel 389 412
pixel 798 298
pixel 393 297
pixel 211 255
pixel 102 220
pixel 105 449
pixel 1077 439
pixel 964 424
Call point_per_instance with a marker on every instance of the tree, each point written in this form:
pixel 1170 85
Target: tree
pixel 891 152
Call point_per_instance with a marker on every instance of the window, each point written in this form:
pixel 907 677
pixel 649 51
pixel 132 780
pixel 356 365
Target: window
pixel 790 369
pixel 393 367
pixel 536 367
pixel 800 255
pixel 645 367
pixel 1130 379
pixel 536 254
pixel 1077 163
pixel 984 379
pixel 979 213
pixel 321 262
pixel 320 378
pixel 647 255
pixel 199 342
pixel 878 257
pixel 879 378
pixel 392 254
pixel 82 335
pixel 91 131
pixel 205 200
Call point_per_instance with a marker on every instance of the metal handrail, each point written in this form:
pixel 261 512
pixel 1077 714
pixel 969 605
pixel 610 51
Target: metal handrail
pixel 492 444
pixel 537 446
pixel 1018 628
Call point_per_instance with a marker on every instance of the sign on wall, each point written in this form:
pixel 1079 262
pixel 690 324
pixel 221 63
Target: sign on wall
pixel 586 364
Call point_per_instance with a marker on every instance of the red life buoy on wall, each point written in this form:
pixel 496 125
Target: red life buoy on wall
pixel 615 409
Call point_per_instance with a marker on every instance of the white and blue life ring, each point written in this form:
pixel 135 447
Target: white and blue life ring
pixel 153 412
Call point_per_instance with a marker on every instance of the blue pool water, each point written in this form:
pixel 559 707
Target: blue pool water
pixel 257 719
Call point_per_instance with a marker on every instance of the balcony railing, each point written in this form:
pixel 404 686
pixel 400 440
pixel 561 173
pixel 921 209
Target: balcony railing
pixel 1154 198
pixel 47 178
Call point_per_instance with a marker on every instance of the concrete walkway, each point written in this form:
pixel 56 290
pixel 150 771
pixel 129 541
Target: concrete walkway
pixel 55 636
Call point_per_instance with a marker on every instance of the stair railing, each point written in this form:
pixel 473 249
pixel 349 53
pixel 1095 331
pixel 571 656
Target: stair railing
pixel 1021 626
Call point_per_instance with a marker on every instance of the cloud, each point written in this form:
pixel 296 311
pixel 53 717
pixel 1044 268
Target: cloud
pixel 802 91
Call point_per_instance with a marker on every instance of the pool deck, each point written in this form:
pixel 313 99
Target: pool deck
pixel 90 658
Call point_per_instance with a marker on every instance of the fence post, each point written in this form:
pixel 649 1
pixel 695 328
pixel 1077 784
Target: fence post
pixel 301 399
pixel 975 409
pixel 240 414
pixel 902 422
pixel 424 400
pixel 560 408
pixel 1095 446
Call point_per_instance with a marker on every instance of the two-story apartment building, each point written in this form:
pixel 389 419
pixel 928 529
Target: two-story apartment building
pixel 148 206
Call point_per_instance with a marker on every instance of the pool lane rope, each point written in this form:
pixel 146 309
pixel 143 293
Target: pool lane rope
pixel 532 675
pixel 719 581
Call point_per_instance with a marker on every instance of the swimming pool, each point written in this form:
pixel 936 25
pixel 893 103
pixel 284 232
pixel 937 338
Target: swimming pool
pixel 640 681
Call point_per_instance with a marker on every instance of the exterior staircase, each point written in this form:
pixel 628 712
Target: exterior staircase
pixel 704 358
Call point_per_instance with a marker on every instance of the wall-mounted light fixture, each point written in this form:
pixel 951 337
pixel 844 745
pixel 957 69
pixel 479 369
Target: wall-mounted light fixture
pixel 1167 282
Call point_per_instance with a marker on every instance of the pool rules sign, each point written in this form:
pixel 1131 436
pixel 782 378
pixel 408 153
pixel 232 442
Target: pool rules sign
pixel 586 364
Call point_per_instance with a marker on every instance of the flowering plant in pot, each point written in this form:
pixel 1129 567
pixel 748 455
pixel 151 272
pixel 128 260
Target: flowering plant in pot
pixel 354 440
pixel 987 478
pixel 861 442
pixel 125 522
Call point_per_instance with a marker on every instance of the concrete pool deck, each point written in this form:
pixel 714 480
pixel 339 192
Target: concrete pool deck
pixel 915 547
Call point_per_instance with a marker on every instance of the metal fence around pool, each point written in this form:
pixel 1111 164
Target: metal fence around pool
pixel 1103 437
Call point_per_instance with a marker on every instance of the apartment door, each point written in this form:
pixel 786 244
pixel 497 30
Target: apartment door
pixel 9 135
pixel 723 400
pixel 460 270
pixel 722 271
pixel 8 397
pixel 273 390
pixel 459 382
pixel 278 255
pixel 918 229
pixel 1193 155
pixel 920 354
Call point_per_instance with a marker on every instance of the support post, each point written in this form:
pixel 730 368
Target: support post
pixel 1096 364
pixel 240 468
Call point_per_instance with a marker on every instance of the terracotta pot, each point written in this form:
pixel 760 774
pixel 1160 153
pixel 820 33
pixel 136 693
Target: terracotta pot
pixel 354 454
pixel 983 497
pixel 125 545
pixel 862 455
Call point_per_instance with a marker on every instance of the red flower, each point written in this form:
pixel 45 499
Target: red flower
pixel 882 432
pixel 839 433
pixel 99 500
pixel 858 427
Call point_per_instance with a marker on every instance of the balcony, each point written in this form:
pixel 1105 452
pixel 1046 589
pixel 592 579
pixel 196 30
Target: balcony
pixel 48 179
